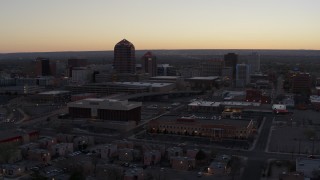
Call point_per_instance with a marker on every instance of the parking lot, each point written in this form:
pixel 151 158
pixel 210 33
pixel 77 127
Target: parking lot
pixel 299 133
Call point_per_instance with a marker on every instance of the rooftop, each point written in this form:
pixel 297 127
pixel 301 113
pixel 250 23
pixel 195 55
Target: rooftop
pixel 166 77
pixel 105 103
pixel 146 84
pixel 124 42
pixel 54 92
pixel 8 135
pixel 224 103
pixel 202 122
pixel 315 98
pixel 205 78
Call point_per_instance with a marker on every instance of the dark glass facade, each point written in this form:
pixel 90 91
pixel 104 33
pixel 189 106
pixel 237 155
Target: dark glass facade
pixel 124 57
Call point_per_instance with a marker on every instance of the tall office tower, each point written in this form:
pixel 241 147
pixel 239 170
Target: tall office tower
pixel 124 57
pixel 75 62
pixel 43 67
pixel 254 62
pixel 242 75
pixel 149 64
pixel 212 67
pixel 231 60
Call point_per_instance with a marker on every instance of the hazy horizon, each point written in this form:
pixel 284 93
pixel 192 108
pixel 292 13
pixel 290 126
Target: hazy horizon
pixel 253 50
pixel 55 26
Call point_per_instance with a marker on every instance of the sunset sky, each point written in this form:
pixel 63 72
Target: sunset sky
pixel 77 25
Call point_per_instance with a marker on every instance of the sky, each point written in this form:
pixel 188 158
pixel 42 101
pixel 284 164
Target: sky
pixel 94 25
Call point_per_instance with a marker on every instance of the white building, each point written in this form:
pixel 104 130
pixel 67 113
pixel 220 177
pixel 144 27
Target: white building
pixel 242 75
pixel 81 75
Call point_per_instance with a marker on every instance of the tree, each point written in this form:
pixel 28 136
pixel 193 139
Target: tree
pixel 316 174
pixel 7 151
pixel 149 176
pixel 37 176
pixel 213 153
pixel 201 155
pixel 310 133
pixel 77 175
pixel 235 165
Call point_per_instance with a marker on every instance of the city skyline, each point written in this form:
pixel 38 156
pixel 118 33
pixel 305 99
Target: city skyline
pixel 36 26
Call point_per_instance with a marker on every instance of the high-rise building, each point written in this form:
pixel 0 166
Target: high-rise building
pixel 242 75
pixel 43 67
pixel 124 57
pixel 212 67
pixel 149 64
pixel 254 62
pixel 231 60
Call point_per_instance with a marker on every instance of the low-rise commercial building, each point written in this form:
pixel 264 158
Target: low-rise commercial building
pixel 18 137
pixel 20 90
pixel 128 155
pixel 217 106
pixel 123 144
pixel 152 86
pixel 47 142
pixel 62 149
pixel 256 95
pixel 192 153
pixel 215 129
pixel 78 97
pixel 182 163
pixel 203 83
pixel 12 170
pixel 217 168
pixel 106 151
pixel 39 155
pixel 106 109
pixel 106 89
pixel 174 151
pixel 152 157
pixel 52 97
pixel 134 174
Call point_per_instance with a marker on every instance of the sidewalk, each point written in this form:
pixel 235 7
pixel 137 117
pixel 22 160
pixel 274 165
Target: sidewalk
pixel 269 136
pixel 259 132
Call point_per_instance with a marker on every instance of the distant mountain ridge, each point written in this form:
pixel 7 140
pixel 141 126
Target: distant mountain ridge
pixel 139 53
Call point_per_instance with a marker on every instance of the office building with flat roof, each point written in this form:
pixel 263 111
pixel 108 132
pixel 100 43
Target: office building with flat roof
pixel 231 60
pixel 106 109
pixel 242 75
